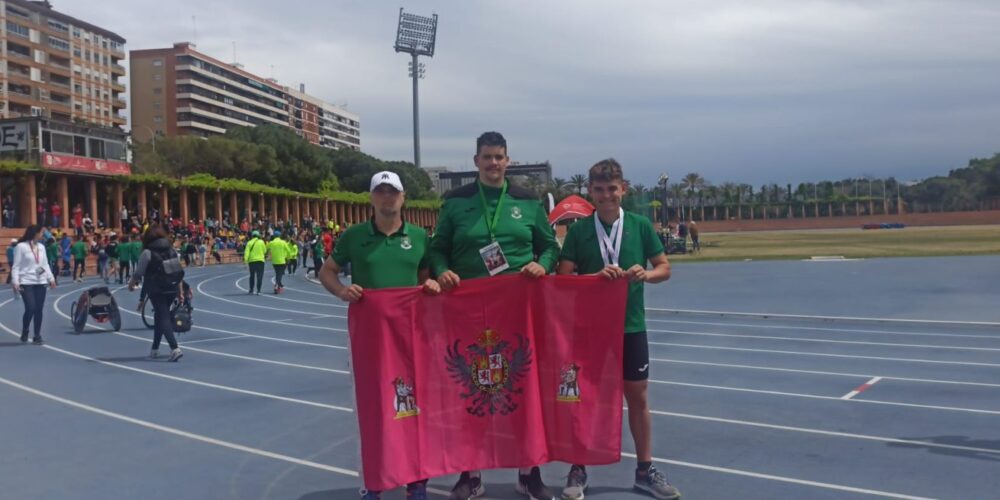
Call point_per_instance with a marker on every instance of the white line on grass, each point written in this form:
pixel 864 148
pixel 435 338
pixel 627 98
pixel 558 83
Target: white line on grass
pixel 817 328
pixel 828 398
pixel 828 318
pixel 818 372
pixel 821 354
pixel 829 341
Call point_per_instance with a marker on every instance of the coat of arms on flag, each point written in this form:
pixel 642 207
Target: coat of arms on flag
pixel 405 403
pixel 569 388
pixel 490 378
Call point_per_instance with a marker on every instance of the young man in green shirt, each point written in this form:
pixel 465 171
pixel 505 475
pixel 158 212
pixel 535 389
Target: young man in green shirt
pixel 487 228
pixel 278 249
pixel 385 252
pixel 616 244
pixel 253 255
pixel 79 251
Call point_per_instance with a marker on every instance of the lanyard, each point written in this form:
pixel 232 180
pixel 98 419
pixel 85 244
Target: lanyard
pixel 611 245
pixel 491 225
pixel 34 250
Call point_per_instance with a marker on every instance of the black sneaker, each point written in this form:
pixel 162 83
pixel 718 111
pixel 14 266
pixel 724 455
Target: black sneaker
pixel 37 341
pixel 576 483
pixel 532 485
pixel 24 336
pixel 250 292
pixel 654 483
pixel 467 487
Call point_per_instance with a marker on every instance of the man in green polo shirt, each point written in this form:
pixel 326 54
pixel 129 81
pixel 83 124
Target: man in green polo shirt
pixel 487 228
pixel 253 255
pixel 278 249
pixel 385 252
pixel 617 245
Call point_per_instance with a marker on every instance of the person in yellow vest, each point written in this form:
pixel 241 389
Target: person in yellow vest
pixel 253 255
pixel 293 255
pixel 278 249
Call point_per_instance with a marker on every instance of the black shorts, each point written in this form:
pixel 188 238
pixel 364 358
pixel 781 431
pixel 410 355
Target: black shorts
pixel 635 357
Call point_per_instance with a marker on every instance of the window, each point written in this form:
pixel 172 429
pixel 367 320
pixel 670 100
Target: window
pixel 157 77
pixel 157 118
pixel 96 148
pixel 18 12
pixel 76 32
pixel 77 53
pixel 58 26
pixel 157 90
pixel 58 43
pixel 157 63
pixel 17 29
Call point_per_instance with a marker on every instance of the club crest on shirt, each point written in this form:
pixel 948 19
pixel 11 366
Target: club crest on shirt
pixel 405 402
pixel 490 371
pixel 405 243
pixel 569 387
pixel 515 212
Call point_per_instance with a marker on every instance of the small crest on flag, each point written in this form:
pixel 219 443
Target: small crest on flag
pixel 569 387
pixel 491 373
pixel 405 402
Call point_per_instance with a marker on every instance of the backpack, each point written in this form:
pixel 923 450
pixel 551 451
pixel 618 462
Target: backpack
pixel 165 273
pixel 180 316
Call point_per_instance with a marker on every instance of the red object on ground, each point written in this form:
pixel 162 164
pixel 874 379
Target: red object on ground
pixel 571 207
pixel 501 372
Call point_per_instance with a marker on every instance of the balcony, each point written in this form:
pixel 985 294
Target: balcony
pixel 118 103
pixel 117 69
pixel 117 87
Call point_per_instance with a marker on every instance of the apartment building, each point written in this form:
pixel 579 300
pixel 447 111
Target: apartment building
pixel 57 67
pixel 180 91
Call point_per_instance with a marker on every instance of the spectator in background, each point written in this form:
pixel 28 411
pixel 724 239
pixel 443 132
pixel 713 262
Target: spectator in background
pixel 56 213
pixel 78 219
pixel 9 212
pixel 693 230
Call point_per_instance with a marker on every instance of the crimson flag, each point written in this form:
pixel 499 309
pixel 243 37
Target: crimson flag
pixel 501 372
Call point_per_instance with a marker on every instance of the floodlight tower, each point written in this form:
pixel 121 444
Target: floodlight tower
pixel 415 36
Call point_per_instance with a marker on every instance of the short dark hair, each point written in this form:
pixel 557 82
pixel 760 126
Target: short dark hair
pixel 607 170
pixel 490 139
pixel 154 233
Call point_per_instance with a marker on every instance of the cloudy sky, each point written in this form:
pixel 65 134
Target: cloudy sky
pixel 762 91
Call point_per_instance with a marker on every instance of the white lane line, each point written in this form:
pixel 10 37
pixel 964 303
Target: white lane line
pixel 818 372
pixel 187 342
pixel 782 479
pixel 177 432
pixel 275 297
pixel 246 304
pixel 828 318
pixel 806 430
pixel 861 388
pixel 827 398
pixel 826 355
pixel 828 341
pixel 818 328
pixel 185 380
pixel 55 307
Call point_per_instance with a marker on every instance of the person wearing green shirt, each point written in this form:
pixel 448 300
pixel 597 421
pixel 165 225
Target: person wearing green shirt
pixel 278 249
pixel 293 255
pixel 616 244
pixel 318 255
pixel 123 258
pixel 79 252
pixel 487 228
pixel 385 252
pixel 253 255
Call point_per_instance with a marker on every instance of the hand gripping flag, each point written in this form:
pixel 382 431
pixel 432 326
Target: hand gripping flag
pixel 501 372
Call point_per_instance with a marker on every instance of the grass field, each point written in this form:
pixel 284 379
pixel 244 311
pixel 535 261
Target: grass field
pixel 850 243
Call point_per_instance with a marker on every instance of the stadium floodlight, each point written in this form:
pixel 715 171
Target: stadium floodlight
pixel 416 35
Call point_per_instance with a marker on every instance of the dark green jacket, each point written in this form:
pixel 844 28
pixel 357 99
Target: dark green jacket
pixel 523 231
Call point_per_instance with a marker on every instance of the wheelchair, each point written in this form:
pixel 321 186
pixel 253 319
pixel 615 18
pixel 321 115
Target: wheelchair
pixel 98 303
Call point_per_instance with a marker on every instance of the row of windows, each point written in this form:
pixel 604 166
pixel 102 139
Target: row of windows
pixel 58 43
pixel 16 29
pixel 198 63
pixel 191 89
pixel 231 89
pixel 77 145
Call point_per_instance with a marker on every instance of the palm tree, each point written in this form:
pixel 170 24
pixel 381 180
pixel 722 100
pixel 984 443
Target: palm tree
pixel 559 187
pixel 692 182
pixel 578 181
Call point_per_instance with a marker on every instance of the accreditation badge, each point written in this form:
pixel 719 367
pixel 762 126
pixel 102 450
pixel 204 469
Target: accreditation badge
pixel 494 258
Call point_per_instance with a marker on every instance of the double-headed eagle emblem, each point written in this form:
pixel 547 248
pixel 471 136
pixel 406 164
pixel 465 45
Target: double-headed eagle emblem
pixel 492 372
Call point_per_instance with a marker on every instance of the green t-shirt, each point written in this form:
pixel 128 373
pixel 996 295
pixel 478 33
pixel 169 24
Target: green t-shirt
pixel 639 244
pixel 379 260
pixel 523 231
pixel 279 251
pixel 134 251
pixel 79 250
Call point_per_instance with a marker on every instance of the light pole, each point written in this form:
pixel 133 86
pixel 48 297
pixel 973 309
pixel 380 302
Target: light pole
pixel 416 36
pixel 152 136
pixel 665 213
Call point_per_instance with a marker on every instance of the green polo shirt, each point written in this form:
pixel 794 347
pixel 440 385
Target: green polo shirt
pixel 379 260
pixel 639 244
pixel 134 251
pixel 79 250
pixel 523 231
